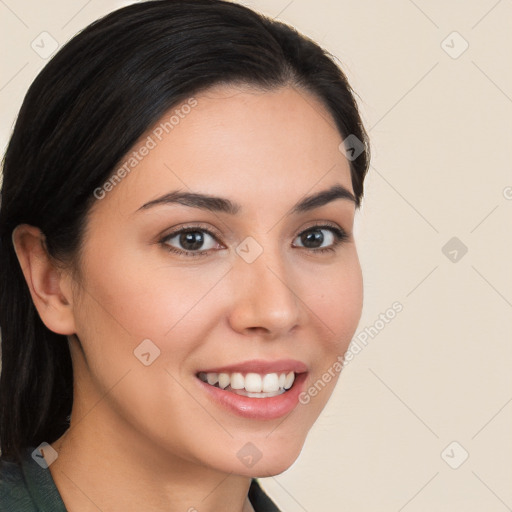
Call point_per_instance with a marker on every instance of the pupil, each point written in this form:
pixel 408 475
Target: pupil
pixel 316 237
pixel 194 238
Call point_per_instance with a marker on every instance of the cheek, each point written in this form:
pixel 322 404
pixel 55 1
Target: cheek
pixel 129 298
pixel 338 302
pixel 165 305
pixel 338 306
pixel 346 310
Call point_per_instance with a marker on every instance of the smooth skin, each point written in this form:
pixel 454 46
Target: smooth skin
pixel 148 437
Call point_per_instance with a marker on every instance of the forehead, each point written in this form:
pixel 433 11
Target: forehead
pixel 260 147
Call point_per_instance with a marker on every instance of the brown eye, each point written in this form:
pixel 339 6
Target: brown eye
pixel 190 241
pixel 314 238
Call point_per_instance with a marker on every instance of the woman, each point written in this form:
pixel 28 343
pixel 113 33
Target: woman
pixel 178 266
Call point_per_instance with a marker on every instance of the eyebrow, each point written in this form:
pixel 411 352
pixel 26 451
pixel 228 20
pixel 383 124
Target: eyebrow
pixel 223 205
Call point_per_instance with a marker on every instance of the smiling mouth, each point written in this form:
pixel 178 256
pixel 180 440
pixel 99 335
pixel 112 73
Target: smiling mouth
pixel 253 385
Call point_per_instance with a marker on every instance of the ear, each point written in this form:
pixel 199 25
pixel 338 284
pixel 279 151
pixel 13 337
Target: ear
pixel 49 286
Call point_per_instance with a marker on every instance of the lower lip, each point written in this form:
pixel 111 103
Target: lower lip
pixel 258 408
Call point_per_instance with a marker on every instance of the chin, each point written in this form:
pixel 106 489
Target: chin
pixel 273 461
pixel 273 469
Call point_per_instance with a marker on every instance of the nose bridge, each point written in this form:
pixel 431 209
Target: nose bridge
pixel 265 298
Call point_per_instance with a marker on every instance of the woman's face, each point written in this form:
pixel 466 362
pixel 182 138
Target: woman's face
pixel 266 287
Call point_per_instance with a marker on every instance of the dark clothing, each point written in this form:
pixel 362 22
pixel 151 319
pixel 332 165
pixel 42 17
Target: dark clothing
pixel 32 489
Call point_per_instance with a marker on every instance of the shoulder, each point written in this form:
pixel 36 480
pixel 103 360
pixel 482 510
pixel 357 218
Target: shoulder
pixel 14 493
pixel 28 487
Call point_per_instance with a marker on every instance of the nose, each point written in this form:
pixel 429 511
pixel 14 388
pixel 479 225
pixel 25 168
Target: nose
pixel 263 299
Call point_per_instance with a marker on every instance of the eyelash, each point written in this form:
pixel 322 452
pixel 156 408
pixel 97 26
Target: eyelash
pixel 339 234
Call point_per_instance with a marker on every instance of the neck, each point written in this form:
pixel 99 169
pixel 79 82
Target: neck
pixel 108 469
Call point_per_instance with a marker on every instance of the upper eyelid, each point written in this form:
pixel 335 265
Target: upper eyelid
pixel 192 227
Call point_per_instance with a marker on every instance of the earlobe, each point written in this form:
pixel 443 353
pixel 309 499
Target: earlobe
pixel 48 285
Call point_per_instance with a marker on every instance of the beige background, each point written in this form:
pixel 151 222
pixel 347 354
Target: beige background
pixel 441 131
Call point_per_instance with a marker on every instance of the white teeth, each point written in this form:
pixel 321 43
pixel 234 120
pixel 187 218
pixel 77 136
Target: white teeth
pixel 224 380
pixel 237 381
pixel 289 380
pixel 252 384
pixel 270 383
pixel 212 378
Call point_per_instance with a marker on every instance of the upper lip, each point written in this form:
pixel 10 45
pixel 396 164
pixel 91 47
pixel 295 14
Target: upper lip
pixel 261 366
